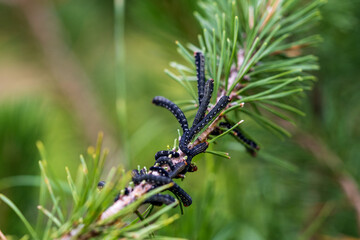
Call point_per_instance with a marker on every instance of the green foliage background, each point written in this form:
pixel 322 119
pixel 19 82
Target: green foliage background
pixel 284 194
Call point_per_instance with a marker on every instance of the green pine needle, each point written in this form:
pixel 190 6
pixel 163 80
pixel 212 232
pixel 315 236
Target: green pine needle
pixel 20 215
pixel 220 154
pixel 226 132
pixel 50 216
pixel 257 48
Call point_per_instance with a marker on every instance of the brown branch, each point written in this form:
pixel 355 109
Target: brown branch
pixel 144 187
pixel 328 158
pixel 124 200
pixel 351 191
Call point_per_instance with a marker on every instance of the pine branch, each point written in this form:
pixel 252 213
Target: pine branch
pixel 266 68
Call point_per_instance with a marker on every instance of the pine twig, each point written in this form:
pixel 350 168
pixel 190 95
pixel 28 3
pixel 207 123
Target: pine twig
pixel 256 76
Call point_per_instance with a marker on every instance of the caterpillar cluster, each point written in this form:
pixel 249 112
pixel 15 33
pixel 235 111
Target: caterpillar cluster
pixel 164 170
pixel 200 121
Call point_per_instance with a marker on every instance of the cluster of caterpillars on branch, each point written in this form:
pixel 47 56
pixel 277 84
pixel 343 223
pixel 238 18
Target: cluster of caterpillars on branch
pixel 164 170
pixel 200 121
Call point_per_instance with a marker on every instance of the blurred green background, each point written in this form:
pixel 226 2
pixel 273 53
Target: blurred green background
pixel 57 85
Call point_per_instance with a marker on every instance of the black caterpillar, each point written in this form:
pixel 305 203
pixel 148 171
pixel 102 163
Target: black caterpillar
pixel 251 146
pixel 164 170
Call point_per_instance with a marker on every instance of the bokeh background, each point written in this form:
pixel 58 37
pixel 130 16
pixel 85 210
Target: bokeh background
pixel 58 85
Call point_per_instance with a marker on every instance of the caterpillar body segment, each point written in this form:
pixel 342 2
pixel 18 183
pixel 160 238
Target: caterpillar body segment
pixel 184 197
pixel 199 149
pixel 165 160
pixel 161 171
pixel 166 153
pixel 156 180
pixel 200 73
pixel 209 87
pixel 178 168
pixel 249 144
pixel 220 105
pixel 160 199
pixel 174 109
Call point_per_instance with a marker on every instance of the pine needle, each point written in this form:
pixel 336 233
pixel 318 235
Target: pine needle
pixel 20 215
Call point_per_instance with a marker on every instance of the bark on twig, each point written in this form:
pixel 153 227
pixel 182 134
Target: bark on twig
pixel 144 187
pixel 2 236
